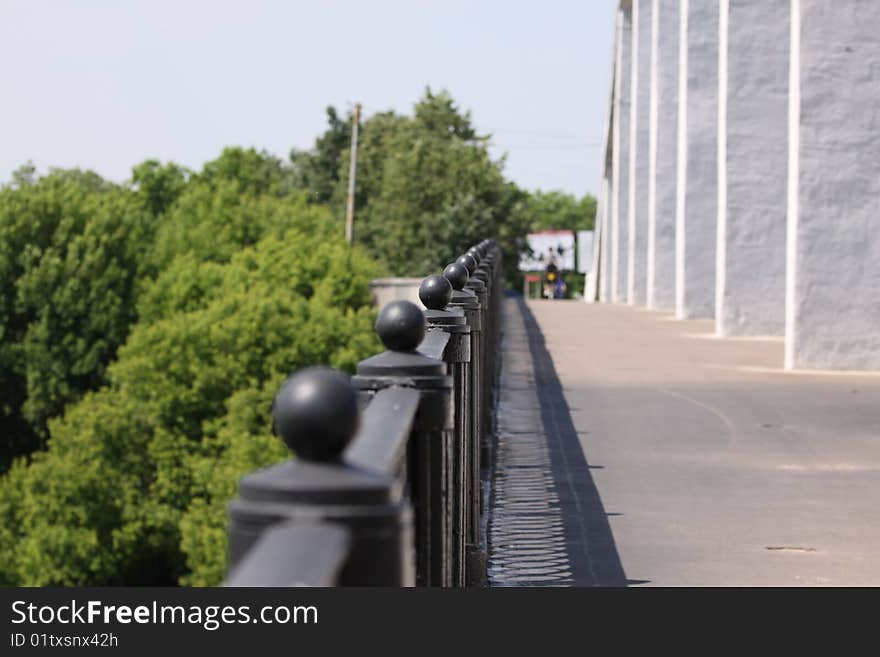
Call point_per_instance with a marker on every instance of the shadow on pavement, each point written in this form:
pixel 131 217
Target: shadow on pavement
pixel 589 541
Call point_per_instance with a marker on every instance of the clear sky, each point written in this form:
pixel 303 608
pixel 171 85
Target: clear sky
pixel 104 84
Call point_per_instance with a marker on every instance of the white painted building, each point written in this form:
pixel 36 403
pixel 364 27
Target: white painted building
pixel 742 172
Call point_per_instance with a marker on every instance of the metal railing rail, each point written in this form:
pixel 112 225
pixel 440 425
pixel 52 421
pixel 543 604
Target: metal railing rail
pixel 386 486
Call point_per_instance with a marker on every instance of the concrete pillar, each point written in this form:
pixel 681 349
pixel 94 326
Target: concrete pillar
pixel 592 290
pixel 752 167
pixel 833 246
pixel 639 161
pixel 663 154
pixel 602 242
pixel 620 159
pixel 697 193
pixel 603 220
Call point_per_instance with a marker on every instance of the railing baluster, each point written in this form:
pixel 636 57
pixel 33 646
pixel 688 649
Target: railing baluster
pixel 403 504
pixel 467 300
pixel 401 327
pixel 435 293
pixel 316 415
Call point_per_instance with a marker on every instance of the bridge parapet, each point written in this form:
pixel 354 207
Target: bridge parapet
pixel 386 487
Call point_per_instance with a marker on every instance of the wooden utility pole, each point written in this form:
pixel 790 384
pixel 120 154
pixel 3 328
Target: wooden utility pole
pixel 352 172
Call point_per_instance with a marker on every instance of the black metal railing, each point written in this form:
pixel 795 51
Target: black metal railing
pixel 388 485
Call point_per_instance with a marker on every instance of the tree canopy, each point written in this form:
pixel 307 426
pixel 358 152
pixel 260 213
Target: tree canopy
pixel 187 322
pixel 426 186
pixel 556 210
pixel 145 326
pixel 71 253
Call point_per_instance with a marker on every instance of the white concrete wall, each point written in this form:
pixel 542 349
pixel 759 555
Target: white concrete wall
pixel 589 250
pixel 619 242
pixel 697 202
pixel 833 248
pixel 663 158
pixel 752 167
pixel 640 133
pixel 603 226
pixel 601 255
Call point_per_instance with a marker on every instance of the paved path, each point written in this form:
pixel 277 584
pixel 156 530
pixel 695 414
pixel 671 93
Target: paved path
pixel 680 458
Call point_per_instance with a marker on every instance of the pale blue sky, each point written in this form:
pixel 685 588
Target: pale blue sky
pixel 105 84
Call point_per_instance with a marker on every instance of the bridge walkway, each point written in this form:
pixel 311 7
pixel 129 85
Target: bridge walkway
pixel 634 448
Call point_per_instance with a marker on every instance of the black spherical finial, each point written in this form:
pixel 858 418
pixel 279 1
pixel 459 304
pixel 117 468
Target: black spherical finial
pixel 435 292
pixel 474 252
pixel 457 275
pixel 469 263
pixel 401 326
pixel 316 413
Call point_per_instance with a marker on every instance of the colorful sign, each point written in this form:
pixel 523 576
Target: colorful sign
pixel 556 246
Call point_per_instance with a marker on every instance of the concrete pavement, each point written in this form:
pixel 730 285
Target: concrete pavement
pixel 546 524
pixel 711 464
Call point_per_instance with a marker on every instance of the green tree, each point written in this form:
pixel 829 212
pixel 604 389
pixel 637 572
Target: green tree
pixel 428 188
pixel 24 175
pixel 252 171
pixel 557 210
pixel 145 327
pixel 133 486
pixel 319 170
pixel 71 252
pixel 231 204
pixel 159 185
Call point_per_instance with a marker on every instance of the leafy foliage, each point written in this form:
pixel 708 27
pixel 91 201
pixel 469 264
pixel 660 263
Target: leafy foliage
pixel 426 185
pixel 159 184
pixel 318 170
pixel 560 211
pixel 71 252
pixel 145 327
pixel 134 484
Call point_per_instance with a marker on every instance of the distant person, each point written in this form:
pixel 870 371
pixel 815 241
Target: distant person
pixel 551 277
pixel 560 289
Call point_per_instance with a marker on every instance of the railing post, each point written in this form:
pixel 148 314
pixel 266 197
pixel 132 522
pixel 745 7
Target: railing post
pixel 316 414
pixel 401 327
pixel 403 505
pixel 497 267
pixel 435 292
pixel 488 273
pixel 477 284
pixel 467 300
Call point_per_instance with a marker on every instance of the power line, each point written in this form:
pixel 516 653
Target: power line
pixel 546 135
pixel 511 131
pixel 573 142
pixel 546 147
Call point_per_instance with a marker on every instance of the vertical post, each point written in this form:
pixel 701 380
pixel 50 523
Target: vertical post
pixel 401 327
pixel 491 268
pixel 448 417
pixel 352 174
pixel 484 282
pixel 479 284
pixel 435 293
pixel 457 274
pixel 316 414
